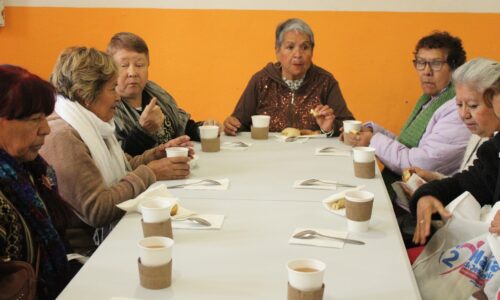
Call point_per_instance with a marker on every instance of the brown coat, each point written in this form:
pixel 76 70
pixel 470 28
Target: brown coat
pixel 82 185
pixel 268 94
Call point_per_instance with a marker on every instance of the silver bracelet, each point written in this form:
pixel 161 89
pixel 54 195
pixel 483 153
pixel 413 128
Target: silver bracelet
pixel 329 133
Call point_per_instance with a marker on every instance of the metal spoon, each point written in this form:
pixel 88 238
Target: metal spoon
pixel 310 234
pixel 313 181
pixel 199 220
pixel 201 182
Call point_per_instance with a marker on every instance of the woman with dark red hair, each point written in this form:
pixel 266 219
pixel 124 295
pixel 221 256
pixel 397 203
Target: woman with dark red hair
pixel 32 214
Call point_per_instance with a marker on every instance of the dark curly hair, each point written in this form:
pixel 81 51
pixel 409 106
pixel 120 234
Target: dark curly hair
pixel 443 40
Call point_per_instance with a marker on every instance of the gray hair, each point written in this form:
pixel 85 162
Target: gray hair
pixel 479 73
pixel 293 24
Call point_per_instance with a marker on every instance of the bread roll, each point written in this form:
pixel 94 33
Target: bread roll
pixel 174 209
pixel 338 204
pixel 290 132
pixel 406 175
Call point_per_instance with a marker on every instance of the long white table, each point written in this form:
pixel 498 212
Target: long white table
pixel 246 258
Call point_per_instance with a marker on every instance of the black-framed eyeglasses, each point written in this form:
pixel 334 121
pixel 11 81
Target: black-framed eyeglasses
pixel 435 65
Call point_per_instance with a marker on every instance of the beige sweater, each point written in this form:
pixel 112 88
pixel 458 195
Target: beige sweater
pixel 82 185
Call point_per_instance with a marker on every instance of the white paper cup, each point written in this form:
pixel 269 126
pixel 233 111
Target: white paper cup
pixel 156 210
pixel 306 274
pixel 177 151
pixel 155 250
pixel 359 206
pixel 350 125
pixel 209 131
pixel 363 154
pixel 261 121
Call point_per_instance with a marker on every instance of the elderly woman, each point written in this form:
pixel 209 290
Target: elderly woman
pixel 147 116
pixel 291 88
pixel 433 137
pixel 90 165
pixel 32 218
pixel 481 179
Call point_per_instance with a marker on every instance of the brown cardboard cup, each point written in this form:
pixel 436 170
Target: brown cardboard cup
pixel 364 169
pixel 158 229
pixel 210 145
pixel 260 133
pixel 295 294
pixel 155 278
pixel 358 211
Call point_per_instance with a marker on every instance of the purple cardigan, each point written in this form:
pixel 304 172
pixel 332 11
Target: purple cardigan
pixel 440 149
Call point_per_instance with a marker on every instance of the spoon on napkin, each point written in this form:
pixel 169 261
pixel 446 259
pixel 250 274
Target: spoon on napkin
pixel 310 234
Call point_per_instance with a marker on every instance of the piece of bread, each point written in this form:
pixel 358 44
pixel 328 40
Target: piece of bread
pixel 174 209
pixel 338 204
pixel 313 112
pixel 406 175
pixel 290 132
pixel 354 132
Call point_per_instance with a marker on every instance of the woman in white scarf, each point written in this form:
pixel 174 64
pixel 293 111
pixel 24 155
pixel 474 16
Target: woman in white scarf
pixel 93 172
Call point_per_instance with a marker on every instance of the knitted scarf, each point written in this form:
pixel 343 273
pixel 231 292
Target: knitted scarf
pixel 26 195
pixel 415 125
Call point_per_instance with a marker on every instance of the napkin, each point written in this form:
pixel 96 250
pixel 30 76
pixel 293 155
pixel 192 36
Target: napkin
pixel 297 185
pixel 235 146
pixel 215 220
pixel 154 192
pixel 332 152
pixel 328 200
pixel 224 185
pixel 320 241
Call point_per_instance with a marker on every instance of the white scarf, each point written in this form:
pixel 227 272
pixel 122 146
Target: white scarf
pixel 99 136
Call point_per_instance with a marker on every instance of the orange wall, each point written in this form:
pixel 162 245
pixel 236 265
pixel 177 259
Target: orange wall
pixel 206 57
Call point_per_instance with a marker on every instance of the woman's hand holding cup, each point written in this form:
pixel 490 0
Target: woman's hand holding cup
pixel 170 168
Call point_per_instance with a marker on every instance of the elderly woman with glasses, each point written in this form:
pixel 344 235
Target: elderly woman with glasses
pixel 93 171
pixel 481 179
pixel 293 91
pixel 433 137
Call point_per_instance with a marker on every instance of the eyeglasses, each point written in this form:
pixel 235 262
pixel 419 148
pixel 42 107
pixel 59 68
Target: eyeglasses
pixel 435 65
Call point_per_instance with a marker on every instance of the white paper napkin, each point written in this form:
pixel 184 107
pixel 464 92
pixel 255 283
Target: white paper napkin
pixel 320 241
pixel 235 146
pixel 154 192
pixel 224 185
pixel 332 152
pixel 297 185
pixel 328 200
pixel 215 220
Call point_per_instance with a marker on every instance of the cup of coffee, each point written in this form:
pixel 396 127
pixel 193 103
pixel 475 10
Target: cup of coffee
pixel 177 151
pixel 351 127
pixel 156 217
pixel 364 162
pixel 306 275
pixel 359 205
pixel 155 262
pixel 260 127
pixel 209 135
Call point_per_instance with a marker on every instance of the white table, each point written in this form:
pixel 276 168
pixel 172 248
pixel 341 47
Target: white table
pixel 246 258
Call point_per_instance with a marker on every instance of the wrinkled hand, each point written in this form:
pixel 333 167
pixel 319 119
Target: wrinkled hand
pixel 426 206
pixel 182 141
pixel 170 168
pixel 231 125
pixel 152 117
pixel 324 117
pixel 495 224
pixel 426 175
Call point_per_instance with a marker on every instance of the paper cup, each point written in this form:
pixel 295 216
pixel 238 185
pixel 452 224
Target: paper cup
pixel 177 151
pixel 306 274
pixel 156 210
pixel 209 131
pixel 260 121
pixel 359 205
pixel 155 251
pixel 364 162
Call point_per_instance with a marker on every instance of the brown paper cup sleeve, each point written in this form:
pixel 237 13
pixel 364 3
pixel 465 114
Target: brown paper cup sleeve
pixel 295 294
pixel 155 278
pixel 260 133
pixel 364 170
pixel 158 229
pixel 359 211
pixel 210 145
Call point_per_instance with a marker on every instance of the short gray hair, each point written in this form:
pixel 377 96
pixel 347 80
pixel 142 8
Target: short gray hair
pixel 293 24
pixel 479 73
